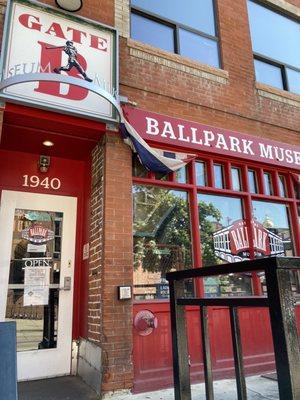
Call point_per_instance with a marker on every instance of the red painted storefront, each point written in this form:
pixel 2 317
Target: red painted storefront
pixel 218 125
pixel 153 368
pixel 23 132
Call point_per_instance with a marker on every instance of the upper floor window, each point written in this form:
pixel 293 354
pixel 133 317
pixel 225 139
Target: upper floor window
pixel 174 26
pixel 276 48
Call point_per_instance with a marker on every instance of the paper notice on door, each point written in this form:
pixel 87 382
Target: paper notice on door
pixel 36 248
pixel 36 286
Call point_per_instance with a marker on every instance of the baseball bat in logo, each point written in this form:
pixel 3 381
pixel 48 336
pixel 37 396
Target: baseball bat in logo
pixel 37 234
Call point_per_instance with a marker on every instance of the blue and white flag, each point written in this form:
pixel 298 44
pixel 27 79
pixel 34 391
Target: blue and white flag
pixel 149 157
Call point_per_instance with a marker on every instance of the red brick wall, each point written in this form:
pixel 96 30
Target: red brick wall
pixel 236 105
pixel 96 246
pixel 110 320
pixel 117 267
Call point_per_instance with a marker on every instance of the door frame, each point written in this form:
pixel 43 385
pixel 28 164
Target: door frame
pixel 44 363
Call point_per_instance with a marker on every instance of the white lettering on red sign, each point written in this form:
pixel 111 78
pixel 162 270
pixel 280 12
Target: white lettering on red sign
pixel 216 140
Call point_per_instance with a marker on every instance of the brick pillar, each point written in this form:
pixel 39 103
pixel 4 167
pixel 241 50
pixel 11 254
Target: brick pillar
pixel 96 245
pixel 117 266
pixel 110 264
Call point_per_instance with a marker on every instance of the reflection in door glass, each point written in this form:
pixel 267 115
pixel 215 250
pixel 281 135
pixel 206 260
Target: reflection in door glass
pixel 162 240
pixel 224 239
pixel 33 293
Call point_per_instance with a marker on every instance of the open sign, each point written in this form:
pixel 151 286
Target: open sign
pixel 37 262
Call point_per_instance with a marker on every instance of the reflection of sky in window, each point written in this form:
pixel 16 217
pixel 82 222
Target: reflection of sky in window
pixel 178 193
pixel 229 207
pixel 276 213
pixel 194 13
pixel 280 40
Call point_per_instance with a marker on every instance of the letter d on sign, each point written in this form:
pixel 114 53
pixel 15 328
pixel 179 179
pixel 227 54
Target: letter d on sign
pixel 54 59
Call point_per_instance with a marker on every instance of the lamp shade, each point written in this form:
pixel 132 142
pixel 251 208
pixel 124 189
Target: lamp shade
pixel 69 5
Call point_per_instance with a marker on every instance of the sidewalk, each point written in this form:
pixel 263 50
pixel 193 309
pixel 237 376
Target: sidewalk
pixel 258 388
pixel 73 388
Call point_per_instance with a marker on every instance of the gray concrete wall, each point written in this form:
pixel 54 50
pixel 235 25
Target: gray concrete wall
pixel 89 364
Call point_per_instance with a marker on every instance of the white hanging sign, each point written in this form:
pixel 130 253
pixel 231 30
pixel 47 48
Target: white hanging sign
pixel 39 40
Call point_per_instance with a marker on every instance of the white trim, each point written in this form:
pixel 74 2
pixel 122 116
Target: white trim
pixel 47 362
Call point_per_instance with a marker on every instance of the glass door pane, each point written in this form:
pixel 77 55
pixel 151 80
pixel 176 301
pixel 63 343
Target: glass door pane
pixel 33 290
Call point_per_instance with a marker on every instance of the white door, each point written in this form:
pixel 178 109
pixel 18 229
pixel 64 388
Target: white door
pixel 37 250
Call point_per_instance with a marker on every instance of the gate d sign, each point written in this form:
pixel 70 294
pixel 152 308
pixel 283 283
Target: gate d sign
pixel 67 47
pixel 8 361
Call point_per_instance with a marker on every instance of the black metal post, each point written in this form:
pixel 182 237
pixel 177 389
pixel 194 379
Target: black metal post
pixel 181 370
pixel 281 304
pixel 209 387
pixel 238 354
pixel 284 330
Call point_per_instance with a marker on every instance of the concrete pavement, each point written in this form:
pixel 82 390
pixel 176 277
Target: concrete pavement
pixel 72 388
pixel 258 388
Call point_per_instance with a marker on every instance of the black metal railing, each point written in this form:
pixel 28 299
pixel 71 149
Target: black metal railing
pixel 280 301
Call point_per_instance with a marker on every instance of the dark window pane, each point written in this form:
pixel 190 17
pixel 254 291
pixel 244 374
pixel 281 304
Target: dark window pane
pixel 293 80
pixel 198 48
pixel 200 174
pixel 268 74
pixel 195 14
pixel 219 176
pixel 282 187
pixel 151 32
pixel 268 184
pixel 274 35
pixel 236 179
pixel 137 168
pixel 252 181
pixel 297 190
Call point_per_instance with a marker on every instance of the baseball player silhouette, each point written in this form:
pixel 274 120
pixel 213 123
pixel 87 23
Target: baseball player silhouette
pixel 71 52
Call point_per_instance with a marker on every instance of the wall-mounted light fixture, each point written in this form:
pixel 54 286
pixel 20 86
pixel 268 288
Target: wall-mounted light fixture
pixel 69 5
pixel 44 163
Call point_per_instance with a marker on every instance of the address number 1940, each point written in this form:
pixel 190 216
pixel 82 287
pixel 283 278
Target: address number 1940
pixel 46 183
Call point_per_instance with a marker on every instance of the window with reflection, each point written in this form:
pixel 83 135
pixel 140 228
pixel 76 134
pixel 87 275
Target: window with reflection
pixel 236 179
pixel 252 181
pixel 282 186
pixel 200 174
pixel 224 239
pixel 162 239
pixel 272 232
pixel 219 176
pixel 276 47
pixel 268 186
pixel 181 175
pixel 178 27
